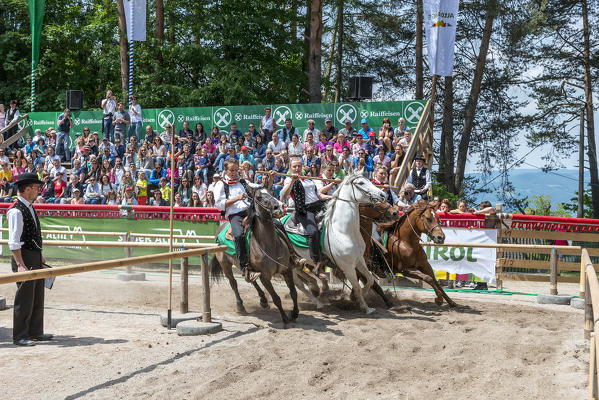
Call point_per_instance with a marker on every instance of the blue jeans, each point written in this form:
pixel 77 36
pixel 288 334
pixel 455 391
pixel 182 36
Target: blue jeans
pixel 276 191
pixel 220 161
pixel 203 172
pixel 62 145
pixel 135 128
pixel 108 128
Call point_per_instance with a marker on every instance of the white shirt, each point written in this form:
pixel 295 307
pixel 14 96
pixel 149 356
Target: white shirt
pixel 15 117
pixel 54 172
pixel 309 187
pixel 295 150
pixel 278 147
pixel 315 134
pixel 427 177
pixel 321 184
pixel 201 191
pixel 15 224
pixel 220 197
pixel 135 113
pixel 267 123
pixel 109 106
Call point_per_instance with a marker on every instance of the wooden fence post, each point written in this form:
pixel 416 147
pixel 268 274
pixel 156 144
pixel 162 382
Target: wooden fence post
pixel 128 252
pixel 206 314
pixel 553 277
pixel 583 275
pixel 184 305
pixel 592 370
pixel 498 252
pixel 588 310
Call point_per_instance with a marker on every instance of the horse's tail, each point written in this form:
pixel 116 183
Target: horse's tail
pixel 216 270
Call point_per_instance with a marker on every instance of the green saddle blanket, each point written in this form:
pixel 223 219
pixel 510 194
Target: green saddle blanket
pixel 221 239
pixel 299 240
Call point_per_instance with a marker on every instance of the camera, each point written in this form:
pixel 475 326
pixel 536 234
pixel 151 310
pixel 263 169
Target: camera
pixel 406 193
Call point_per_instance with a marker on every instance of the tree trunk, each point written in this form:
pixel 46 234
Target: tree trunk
pixel 588 93
pixel 315 56
pixel 124 51
pixel 327 72
pixel 339 77
pixel 159 20
pixel 419 58
pixel 446 159
pixel 470 110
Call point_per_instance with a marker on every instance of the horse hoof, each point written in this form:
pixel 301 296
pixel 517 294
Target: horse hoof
pixel 452 304
pixel 370 311
pixel 241 309
pixel 293 316
pixel 438 301
pixel 264 304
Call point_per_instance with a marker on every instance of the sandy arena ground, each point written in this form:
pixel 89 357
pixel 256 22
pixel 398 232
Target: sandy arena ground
pixel 110 345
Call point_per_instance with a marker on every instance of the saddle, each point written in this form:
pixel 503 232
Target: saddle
pixel 292 227
pixel 229 234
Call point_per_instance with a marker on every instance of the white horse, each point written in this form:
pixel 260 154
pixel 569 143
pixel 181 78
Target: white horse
pixel 343 242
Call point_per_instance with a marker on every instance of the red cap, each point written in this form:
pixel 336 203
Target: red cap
pixel 244 147
pixel 371 134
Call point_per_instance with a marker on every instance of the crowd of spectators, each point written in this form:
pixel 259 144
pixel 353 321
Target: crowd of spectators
pixel 128 164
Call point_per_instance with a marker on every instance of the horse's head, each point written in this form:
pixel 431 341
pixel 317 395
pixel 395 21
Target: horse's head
pixel 264 203
pixel 429 222
pixel 364 191
pixel 380 211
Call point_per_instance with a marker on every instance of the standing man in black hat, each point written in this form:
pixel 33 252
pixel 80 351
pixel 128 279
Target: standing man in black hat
pixel 12 115
pixel 25 242
pixel 420 177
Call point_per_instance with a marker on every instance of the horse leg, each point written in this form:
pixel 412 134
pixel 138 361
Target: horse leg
pixel 288 275
pixel 275 297
pixel 263 299
pixel 431 281
pixel 228 271
pixel 428 270
pixel 378 290
pixel 351 275
pixel 299 280
pixel 361 268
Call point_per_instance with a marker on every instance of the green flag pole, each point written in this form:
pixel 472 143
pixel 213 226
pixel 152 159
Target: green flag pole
pixel 36 18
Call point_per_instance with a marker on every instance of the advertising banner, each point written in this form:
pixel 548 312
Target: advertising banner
pixel 223 116
pixel 440 20
pixel 465 260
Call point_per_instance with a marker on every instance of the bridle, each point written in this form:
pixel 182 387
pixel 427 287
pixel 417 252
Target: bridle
pixel 371 198
pixel 429 233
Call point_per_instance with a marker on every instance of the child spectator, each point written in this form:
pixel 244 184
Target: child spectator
pixel 142 189
pixel 202 163
pixel 165 191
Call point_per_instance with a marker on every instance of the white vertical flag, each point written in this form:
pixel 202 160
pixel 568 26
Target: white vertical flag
pixel 440 19
pixel 135 13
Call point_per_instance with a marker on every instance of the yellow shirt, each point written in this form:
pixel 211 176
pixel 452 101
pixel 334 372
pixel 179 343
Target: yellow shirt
pixel 6 174
pixel 142 186
pixel 166 193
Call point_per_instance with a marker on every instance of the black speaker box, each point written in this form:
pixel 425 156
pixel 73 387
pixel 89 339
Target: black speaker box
pixel 360 87
pixel 74 99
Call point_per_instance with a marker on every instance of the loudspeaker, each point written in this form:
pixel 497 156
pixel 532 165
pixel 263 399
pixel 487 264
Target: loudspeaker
pixel 360 87
pixel 74 99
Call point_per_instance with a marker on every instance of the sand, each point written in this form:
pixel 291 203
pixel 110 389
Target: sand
pixel 109 344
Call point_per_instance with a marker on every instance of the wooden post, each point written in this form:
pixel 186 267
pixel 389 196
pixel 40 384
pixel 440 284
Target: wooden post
pixel 553 278
pixel 170 240
pixel 583 275
pixel 206 314
pixel 184 306
pixel 588 311
pixel 592 370
pixel 498 252
pixel 128 252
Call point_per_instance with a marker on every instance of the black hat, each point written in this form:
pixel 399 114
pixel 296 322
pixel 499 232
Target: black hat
pixel 419 157
pixel 28 178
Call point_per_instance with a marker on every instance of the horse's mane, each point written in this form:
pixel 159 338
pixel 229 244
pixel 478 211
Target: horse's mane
pixel 421 206
pixel 331 203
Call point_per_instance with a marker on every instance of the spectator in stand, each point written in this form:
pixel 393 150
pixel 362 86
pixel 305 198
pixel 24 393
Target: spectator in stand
pixel 120 121
pixel 485 207
pixel 381 159
pixel 92 192
pixel 76 199
pixel 167 134
pixel 346 160
pixel 105 187
pixel 210 202
pixel 12 115
pixel 199 134
pixel 234 133
pixel 288 131
pixel 157 173
pixel 29 145
pixel 65 124
pixel 108 158
pixel 294 148
pixel 157 200
pixel 230 154
pixel 59 186
pixel 106 144
pixel 6 191
pixel 126 182
pixel 309 142
pixel 386 135
pixel 269 161
pixel 136 118
pixel 420 177
pixel 30 167
pixel 259 151
pixel 108 110
pixel 165 190
pixel 129 198
pixel 111 199
pixel 462 208
pixel 311 130
pixel 406 139
pixel 366 161
pixel 145 161
pixel 396 160
pixel 276 181
pixel 323 142
pixel 119 149
pixel 185 131
pixel 246 156
pixel 372 145
pixel 150 135
pixel 254 133
pixel 68 194
pixel 41 145
pixel 407 196
pixel 6 172
pixel 338 172
pixel 158 149
pixel 185 191
pixel 348 131
pixel 58 169
pixel 202 163
pixel 215 179
pixel 199 188
pixel 247 172
pixel 2 117
pixel 309 158
pixel 94 170
pixel 215 135
pixel 222 148
pixel 329 129
pixel 445 206
pixel 379 177
pixel 340 142
pixel 142 189
pixel 195 200
pixel 328 156
pixel 401 127
pixel 178 201
pixel 276 145
pixel 365 131
pixel 267 125
pixel 359 144
pixel 248 141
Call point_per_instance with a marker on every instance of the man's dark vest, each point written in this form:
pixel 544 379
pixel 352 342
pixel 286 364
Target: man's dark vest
pixel 419 180
pixel 10 115
pixel 287 135
pixel 32 235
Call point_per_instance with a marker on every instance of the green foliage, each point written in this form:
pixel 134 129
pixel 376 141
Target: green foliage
pixel 572 207
pixel 440 190
pixel 541 205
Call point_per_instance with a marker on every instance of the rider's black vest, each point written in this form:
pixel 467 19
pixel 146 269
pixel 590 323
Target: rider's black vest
pixel 419 180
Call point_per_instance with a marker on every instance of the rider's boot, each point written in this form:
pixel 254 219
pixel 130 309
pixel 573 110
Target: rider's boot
pixel 249 275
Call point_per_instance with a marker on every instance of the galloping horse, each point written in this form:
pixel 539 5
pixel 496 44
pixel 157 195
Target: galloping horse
pixel 269 253
pixel 406 255
pixel 343 243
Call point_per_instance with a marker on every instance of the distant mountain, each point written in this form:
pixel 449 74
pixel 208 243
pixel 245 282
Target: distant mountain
pixel 561 185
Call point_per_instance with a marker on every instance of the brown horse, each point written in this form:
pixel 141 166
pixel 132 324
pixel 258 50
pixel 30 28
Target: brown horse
pixel 405 254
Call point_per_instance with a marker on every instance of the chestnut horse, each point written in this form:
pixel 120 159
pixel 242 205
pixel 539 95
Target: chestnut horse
pixel 405 255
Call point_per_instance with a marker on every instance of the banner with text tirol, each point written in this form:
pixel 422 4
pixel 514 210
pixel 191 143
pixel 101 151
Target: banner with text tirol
pixel 465 260
pixel 223 116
